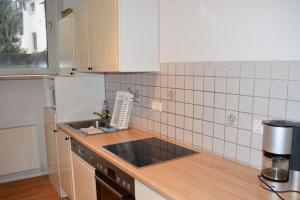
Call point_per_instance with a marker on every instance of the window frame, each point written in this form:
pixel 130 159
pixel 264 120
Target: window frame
pixel 52 46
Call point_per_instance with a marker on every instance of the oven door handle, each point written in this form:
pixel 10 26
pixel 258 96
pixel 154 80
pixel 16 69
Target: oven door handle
pixel 110 188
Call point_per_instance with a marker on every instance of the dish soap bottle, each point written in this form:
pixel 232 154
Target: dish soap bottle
pixel 105 114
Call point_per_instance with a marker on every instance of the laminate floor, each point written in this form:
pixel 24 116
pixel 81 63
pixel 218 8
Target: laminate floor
pixel 37 188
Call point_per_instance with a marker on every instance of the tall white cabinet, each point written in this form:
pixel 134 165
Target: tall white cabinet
pixel 52 150
pixel 116 36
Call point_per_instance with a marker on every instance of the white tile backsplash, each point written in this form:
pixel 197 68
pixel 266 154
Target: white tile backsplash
pixel 230 150
pixel 189 82
pixel 231 134
pixel 198 83
pixel 207 143
pixel 245 121
pixel 208 128
pixel 197 126
pixel 219 131
pixel 233 85
pixel 243 154
pixel 197 139
pixel 189 96
pixel 280 70
pixel 232 102
pixel 295 71
pixel 293 90
pixel 220 100
pixel 209 98
pixel 293 110
pixel 248 70
pixel 212 105
pixel 180 82
pixel 263 70
pixel 220 85
pixel 278 89
pixel 180 68
pixel 260 106
pixel 277 108
pixel 219 116
pixel 244 137
pixel 218 146
pixel 208 114
pixel 198 112
pixel 188 123
pixel 246 104
pixel 188 137
pixel 246 86
pixel 189 69
pixel 209 84
pixel 262 88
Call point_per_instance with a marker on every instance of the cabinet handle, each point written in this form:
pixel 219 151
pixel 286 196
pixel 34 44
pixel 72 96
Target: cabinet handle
pixel 54 131
pixel 73 69
pixel 72 73
pixel 67 138
pixel 90 68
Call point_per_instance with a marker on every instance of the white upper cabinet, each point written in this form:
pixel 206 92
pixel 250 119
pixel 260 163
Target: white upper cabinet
pixel 116 36
pixel 66 46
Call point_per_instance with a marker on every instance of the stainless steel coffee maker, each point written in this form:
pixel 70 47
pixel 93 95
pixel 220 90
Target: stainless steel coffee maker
pixel 281 156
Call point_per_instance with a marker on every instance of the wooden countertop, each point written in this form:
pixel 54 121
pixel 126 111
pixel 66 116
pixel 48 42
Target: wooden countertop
pixel 202 176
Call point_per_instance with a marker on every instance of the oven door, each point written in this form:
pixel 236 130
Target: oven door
pixel 108 190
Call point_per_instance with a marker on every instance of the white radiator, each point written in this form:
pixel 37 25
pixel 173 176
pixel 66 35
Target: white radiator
pixel 19 150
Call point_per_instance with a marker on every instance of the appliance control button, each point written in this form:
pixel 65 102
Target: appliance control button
pixel 98 165
pixel 118 179
pixel 105 170
pixel 101 167
pixel 124 183
pixel 128 186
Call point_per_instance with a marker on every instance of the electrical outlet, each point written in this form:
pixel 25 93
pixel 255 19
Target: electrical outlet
pixel 257 127
pixel 156 106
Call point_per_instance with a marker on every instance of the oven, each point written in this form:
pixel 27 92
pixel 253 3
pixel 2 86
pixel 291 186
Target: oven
pixel 109 190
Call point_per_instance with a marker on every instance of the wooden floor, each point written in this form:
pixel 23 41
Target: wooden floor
pixel 37 188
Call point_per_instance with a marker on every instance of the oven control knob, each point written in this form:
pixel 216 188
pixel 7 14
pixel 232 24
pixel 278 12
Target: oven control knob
pixel 128 186
pixel 105 170
pixel 118 179
pixel 124 183
pixel 101 167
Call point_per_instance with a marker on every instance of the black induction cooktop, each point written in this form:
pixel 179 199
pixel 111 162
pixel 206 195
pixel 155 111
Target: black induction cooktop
pixel 148 151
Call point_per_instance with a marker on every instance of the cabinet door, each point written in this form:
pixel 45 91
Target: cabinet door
pixel 103 34
pixel 81 48
pixel 66 46
pixel 142 192
pixel 84 181
pixel 65 165
pixel 51 147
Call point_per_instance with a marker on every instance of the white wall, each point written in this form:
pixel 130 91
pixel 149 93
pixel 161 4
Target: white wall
pixel 209 30
pixel 21 104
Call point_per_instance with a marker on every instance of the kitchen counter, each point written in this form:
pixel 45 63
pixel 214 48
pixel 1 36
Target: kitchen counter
pixel 202 176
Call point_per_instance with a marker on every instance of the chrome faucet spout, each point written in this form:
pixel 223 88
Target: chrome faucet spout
pixel 98 114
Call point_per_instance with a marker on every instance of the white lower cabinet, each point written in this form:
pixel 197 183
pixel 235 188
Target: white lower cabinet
pixel 143 192
pixel 84 179
pixel 65 163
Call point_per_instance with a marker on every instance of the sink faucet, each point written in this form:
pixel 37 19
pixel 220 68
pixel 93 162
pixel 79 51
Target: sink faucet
pixel 99 114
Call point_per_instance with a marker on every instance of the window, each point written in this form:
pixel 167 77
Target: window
pixel 28 37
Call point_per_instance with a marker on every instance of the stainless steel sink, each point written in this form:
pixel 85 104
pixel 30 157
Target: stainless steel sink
pixel 86 124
